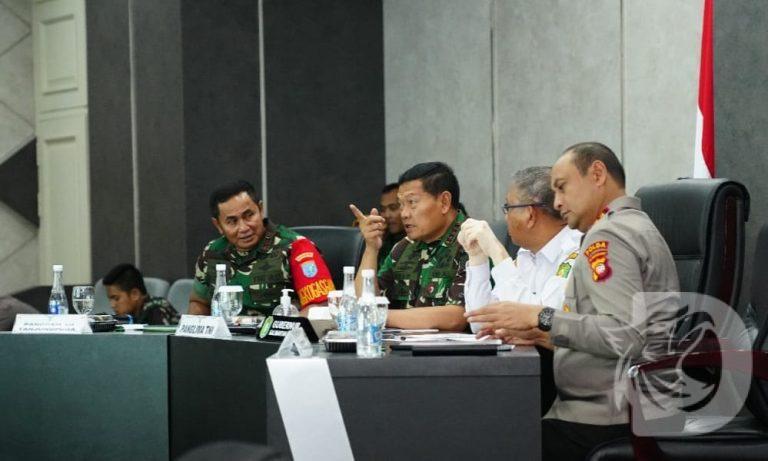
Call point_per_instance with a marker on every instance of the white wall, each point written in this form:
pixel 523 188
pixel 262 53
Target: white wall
pixel 18 237
pixel 492 86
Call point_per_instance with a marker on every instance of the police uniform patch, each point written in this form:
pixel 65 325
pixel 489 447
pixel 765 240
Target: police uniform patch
pixel 597 256
pixel 309 269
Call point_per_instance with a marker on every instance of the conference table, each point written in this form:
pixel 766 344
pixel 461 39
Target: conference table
pixel 117 396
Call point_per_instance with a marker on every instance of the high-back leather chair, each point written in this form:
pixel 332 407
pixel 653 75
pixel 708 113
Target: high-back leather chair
pixel 745 437
pixel 703 222
pixel 340 246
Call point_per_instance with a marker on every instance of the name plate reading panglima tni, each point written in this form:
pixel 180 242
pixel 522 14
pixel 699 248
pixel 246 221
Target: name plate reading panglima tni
pixel 52 324
pixel 203 326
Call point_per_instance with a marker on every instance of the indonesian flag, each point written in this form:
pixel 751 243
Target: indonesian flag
pixel 704 156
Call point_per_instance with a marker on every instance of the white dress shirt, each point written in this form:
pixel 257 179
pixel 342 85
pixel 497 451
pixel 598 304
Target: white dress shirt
pixel 531 278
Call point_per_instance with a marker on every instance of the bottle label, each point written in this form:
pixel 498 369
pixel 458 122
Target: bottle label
pixel 53 307
pixel 375 332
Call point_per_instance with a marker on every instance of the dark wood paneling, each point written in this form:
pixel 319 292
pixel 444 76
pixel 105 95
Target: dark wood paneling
pixel 325 108
pixel 109 131
pixel 221 106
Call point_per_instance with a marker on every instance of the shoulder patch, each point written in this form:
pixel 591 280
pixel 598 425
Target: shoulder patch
pixel 564 269
pixel 597 256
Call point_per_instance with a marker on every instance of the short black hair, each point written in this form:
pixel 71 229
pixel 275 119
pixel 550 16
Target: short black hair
pixel 436 178
pixel 126 277
pixel 225 192
pixel 389 188
pixel 585 153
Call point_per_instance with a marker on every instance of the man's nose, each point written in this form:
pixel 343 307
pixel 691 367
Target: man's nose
pixel 558 202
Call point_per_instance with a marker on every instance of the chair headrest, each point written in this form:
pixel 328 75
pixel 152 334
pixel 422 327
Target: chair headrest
pixel 683 210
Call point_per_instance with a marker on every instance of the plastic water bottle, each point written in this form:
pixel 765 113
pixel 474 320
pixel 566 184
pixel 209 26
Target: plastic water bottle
pixel 286 309
pixel 368 326
pixel 57 303
pixel 347 318
pixel 221 280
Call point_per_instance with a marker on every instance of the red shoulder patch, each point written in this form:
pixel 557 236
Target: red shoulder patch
pixel 597 256
pixel 311 277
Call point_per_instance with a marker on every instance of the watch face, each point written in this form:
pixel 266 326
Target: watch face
pixel 545 318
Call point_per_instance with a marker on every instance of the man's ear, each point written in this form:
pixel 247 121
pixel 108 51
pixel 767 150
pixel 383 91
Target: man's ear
pixel 135 294
pixel 217 225
pixel 445 199
pixel 533 217
pixel 599 172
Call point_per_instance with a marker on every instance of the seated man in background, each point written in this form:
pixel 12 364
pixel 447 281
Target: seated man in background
pixel 128 296
pixel 262 257
pixel 423 276
pixel 390 211
pixel 548 248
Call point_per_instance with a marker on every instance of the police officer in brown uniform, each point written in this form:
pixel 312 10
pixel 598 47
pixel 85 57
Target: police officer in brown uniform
pixel 599 330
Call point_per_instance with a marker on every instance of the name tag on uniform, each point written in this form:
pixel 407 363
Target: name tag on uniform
pixel 203 326
pixel 51 324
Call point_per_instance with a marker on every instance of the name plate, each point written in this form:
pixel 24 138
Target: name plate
pixel 276 328
pixel 52 324
pixel 203 326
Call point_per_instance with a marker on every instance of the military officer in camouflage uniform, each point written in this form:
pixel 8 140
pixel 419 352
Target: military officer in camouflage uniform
pixel 423 276
pixel 261 257
pixel 128 296
pixel 600 330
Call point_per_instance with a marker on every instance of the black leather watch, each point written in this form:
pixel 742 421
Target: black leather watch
pixel 545 318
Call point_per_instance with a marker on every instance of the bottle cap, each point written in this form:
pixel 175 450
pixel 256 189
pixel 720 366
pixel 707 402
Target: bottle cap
pixel 368 273
pixel 349 269
pixel 58 268
pixel 221 267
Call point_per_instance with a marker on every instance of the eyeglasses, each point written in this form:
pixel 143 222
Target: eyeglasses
pixel 506 207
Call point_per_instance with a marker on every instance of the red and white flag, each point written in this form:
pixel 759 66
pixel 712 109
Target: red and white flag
pixel 704 155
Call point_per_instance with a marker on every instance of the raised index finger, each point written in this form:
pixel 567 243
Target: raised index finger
pixel 355 211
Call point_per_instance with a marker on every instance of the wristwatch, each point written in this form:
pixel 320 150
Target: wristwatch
pixel 545 318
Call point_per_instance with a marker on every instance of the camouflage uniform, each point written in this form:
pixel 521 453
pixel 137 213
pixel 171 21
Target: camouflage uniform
pixel 418 274
pixel 388 242
pixel 158 311
pixel 262 272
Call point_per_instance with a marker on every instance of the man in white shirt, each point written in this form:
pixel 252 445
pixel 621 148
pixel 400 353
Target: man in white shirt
pixel 548 249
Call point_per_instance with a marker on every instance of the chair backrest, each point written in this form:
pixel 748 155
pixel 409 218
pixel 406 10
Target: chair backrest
pixel 155 287
pixel 340 246
pixel 179 293
pixel 757 402
pixel 703 222
pixel 500 231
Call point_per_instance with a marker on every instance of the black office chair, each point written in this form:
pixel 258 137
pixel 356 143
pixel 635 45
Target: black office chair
pixel 745 437
pixel 703 222
pixel 340 246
